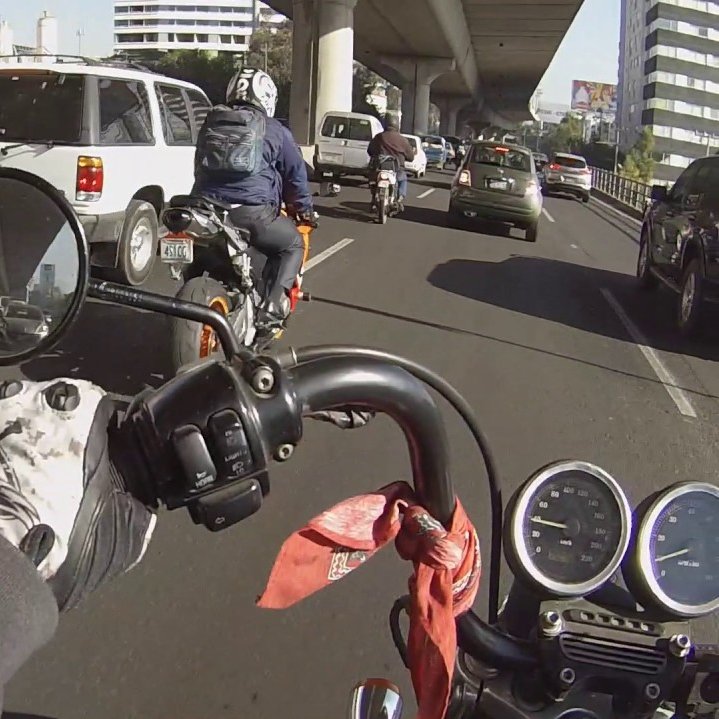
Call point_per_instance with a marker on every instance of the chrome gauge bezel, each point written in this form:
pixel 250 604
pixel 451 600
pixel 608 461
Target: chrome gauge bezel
pixel 642 566
pixel 523 564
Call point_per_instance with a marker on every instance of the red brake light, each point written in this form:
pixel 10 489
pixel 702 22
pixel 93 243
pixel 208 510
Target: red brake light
pixel 501 149
pixel 90 178
pixel 554 166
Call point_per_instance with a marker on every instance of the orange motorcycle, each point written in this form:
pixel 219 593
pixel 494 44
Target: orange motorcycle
pixel 218 267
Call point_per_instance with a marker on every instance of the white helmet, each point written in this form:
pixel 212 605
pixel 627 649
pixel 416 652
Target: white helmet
pixel 251 86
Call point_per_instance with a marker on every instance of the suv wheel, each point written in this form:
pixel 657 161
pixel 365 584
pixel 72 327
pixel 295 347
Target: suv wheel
pixel 691 301
pixel 138 243
pixel 647 281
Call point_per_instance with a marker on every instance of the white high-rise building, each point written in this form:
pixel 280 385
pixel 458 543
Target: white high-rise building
pixel 218 25
pixel 669 79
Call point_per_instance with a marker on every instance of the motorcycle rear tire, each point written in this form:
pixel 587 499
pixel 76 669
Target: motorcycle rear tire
pixel 382 208
pixel 192 341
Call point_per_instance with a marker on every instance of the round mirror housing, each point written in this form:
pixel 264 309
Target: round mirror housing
pixel 44 266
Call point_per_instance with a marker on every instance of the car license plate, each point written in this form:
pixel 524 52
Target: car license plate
pixel 176 250
pixel 497 184
pixel 383 183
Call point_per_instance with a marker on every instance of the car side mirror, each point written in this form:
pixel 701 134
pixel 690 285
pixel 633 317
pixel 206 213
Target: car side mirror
pixel 659 193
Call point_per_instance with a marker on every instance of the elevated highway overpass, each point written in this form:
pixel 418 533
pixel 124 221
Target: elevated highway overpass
pixel 479 60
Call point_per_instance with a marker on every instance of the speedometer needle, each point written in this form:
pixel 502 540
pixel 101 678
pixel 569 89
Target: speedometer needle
pixel 539 520
pixel 672 555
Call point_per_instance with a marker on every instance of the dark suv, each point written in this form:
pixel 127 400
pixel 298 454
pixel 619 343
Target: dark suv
pixel 679 245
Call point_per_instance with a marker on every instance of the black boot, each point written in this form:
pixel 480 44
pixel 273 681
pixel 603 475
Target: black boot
pixel 271 316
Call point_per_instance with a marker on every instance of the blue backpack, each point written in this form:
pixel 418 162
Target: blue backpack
pixel 231 141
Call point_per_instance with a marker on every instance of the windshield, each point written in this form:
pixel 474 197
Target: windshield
pixel 501 156
pixel 40 107
pixel 572 162
pixel 21 311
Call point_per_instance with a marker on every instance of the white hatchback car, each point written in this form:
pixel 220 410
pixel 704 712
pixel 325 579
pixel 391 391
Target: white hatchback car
pixel 117 140
pixel 418 166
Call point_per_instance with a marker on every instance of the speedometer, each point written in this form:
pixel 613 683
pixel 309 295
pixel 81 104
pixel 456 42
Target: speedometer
pixel 674 561
pixel 567 529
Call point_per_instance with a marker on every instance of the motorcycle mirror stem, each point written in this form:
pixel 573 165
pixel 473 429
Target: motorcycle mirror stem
pixel 375 699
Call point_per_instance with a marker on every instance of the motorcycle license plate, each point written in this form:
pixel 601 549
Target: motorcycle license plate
pixel 176 250
pixel 383 183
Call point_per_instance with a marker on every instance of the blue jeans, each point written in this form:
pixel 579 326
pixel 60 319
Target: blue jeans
pixel 402 185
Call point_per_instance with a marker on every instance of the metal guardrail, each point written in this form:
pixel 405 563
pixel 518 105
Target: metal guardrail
pixel 629 192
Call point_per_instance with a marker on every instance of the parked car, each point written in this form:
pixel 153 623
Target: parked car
pixel 568 174
pixel 342 144
pixel 116 140
pixel 418 166
pixel 679 242
pixel 499 183
pixel 435 147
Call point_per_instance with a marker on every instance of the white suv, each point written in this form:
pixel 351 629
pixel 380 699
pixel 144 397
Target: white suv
pixel 116 139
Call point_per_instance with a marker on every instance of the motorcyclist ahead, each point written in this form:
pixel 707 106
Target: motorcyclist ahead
pixel 390 143
pixel 249 160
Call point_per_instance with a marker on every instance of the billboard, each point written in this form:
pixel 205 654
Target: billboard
pixel 594 96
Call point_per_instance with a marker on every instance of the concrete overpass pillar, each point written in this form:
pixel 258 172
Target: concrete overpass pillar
pixel 304 72
pixel 449 108
pixel 322 63
pixel 418 73
pixel 335 56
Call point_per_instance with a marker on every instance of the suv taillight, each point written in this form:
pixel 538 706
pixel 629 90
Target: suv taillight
pixel 554 166
pixel 90 179
pixel 465 178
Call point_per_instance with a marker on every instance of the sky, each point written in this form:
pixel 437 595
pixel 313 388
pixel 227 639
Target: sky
pixel 588 52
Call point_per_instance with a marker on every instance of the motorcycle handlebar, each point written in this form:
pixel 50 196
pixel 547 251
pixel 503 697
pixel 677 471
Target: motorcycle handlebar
pixel 327 383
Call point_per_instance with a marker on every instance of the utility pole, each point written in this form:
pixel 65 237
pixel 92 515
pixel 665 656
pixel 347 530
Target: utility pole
pixel 616 149
pixel 266 49
pixel 80 34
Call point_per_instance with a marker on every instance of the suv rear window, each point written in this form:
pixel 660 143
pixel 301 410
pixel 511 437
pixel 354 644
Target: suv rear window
pixel 574 163
pixel 41 106
pixel 502 156
pixel 345 128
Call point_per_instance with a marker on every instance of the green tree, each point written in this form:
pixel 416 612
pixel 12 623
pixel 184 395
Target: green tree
pixel 568 136
pixel 208 71
pixel 271 50
pixel 639 163
pixel 364 82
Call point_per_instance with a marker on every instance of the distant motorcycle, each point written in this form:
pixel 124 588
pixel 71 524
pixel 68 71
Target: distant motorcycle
pixel 384 186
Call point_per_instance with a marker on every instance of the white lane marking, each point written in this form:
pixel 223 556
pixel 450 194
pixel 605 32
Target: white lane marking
pixel 574 247
pixel 621 214
pixel 326 254
pixel 426 193
pixel 665 376
pixel 547 215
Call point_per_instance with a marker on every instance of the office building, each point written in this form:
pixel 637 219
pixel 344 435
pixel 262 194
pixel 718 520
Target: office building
pixel 669 79
pixel 149 25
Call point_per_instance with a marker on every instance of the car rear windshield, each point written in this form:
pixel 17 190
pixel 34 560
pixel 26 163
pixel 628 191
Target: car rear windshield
pixel 431 141
pixel 412 142
pixel 24 312
pixel 345 128
pixel 574 163
pixel 40 107
pixel 502 156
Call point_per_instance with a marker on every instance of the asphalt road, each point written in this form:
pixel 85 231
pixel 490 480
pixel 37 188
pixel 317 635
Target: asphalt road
pixel 534 335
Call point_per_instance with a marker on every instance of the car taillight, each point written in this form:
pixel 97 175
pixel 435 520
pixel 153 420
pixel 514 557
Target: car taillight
pixel 465 178
pixel 531 188
pixel 554 166
pixel 90 178
pixel 587 171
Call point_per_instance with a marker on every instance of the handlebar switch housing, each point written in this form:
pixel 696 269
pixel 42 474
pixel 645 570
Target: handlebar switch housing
pixel 204 441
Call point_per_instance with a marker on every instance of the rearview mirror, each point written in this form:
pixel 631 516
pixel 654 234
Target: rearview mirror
pixel 44 262
pixel 375 699
pixel 659 193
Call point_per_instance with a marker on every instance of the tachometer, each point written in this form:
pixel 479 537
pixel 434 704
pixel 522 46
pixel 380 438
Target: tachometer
pixel 567 529
pixel 674 561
